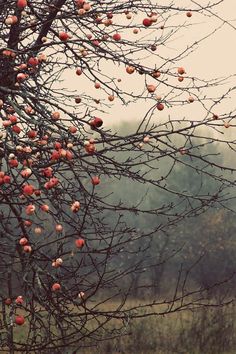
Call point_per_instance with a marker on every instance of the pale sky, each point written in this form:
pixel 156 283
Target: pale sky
pixel 214 57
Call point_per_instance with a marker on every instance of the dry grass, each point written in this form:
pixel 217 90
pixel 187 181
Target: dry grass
pixel 205 331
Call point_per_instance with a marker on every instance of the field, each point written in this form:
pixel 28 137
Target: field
pixel 208 330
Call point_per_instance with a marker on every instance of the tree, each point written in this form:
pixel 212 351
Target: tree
pixel 62 231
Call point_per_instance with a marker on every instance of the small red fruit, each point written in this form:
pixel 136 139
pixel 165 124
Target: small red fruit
pixel 181 71
pixel 96 123
pixel 55 115
pixel 21 77
pixel 21 4
pixel 16 129
pixel 130 69
pixel 79 3
pixel 78 72
pixel 19 320
pixel 80 243
pixel 97 85
pixel 37 192
pixel 44 207
pixel 73 129
pixel 23 241
pixel 33 61
pixel 30 209
pixel 56 287
pixel 147 22
pixel 47 172
pixel 151 88
pixel 95 180
pixel 6 179
pixel 90 148
pixel 13 119
pixel 13 163
pixel 160 106
pixel 64 36
pixel 28 189
pixel 27 249
pixel 19 300
pixel 116 37
pixel 32 134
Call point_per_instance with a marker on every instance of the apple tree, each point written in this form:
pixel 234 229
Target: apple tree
pixel 71 244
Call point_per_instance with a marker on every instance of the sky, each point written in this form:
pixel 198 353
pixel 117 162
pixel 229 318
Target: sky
pixel 214 57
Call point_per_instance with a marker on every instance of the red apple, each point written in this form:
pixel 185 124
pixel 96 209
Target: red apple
pixel 37 192
pixel 69 155
pixel 130 69
pixel 57 145
pixel 30 209
pixel 32 134
pixel 28 189
pixel 21 77
pixel 56 287
pixel 44 207
pixel 96 42
pixel 55 115
pixel 116 37
pixel 79 3
pixel 19 300
pixel 55 155
pixel 77 100
pixel 13 163
pixel 191 99
pixel 97 85
pixel 64 36
pixel 16 129
pixel 72 129
pixel 80 243
pixel 79 72
pixel 33 61
pixel 47 172
pixel 151 88
pixel 26 173
pixel 147 22
pixel 96 122
pixel 23 241
pixel 95 180
pixel 13 119
pixel 160 106
pixel 27 249
pixel 6 179
pixel 90 148
pixel 21 4
pixel 181 71
pixel 19 320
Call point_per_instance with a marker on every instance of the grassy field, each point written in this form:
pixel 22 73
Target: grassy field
pixel 203 331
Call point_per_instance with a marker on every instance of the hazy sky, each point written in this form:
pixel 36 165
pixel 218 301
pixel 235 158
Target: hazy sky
pixel 214 57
